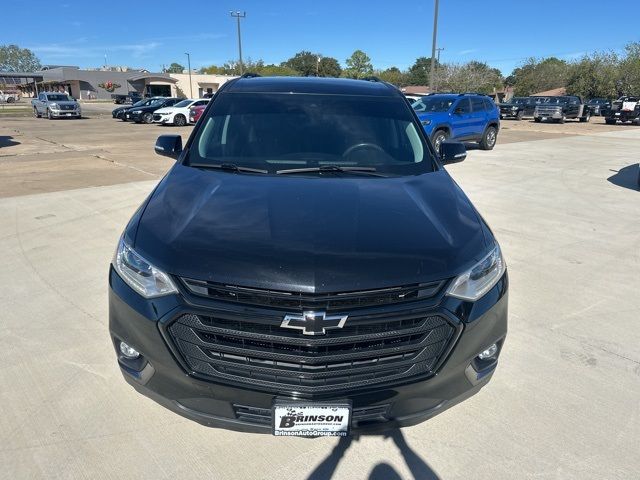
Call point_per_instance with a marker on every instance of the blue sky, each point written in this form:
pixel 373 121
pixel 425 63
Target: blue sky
pixel 79 33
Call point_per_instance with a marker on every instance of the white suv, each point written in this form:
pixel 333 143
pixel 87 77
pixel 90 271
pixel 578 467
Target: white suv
pixel 177 114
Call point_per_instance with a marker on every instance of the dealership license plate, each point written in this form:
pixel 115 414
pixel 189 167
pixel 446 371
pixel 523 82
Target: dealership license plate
pixel 311 419
pixel 68 114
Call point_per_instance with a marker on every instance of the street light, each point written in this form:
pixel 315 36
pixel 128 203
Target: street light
pixel 238 16
pixel 433 46
pixel 189 68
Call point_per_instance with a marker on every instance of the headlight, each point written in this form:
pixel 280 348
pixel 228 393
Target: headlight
pixel 140 275
pixel 137 111
pixel 514 108
pixel 54 106
pixel 479 279
pixel 426 122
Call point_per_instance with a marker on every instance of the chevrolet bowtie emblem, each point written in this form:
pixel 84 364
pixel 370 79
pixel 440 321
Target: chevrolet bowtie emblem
pixel 313 323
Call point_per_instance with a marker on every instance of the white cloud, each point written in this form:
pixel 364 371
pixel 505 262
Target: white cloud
pixel 468 51
pixel 136 50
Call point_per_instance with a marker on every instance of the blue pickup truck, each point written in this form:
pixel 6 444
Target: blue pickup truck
pixel 465 117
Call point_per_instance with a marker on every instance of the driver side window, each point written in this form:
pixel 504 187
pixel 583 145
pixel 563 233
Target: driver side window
pixel 463 106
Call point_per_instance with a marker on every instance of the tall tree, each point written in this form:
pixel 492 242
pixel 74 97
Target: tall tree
pixel 305 63
pixel 419 72
pixel 175 68
pixel 628 82
pixel 595 75
pixel 358 65
pixel 539 75
pixel 393 75
pixel 16 59
pixel 329 67
pixel 472 76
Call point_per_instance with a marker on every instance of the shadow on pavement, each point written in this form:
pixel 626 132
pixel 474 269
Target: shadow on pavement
pixel 419 469
pixel 7 141
pixel 627 177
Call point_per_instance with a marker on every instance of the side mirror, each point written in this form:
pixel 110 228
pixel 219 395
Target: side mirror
pixel 452 152
pixel 169 146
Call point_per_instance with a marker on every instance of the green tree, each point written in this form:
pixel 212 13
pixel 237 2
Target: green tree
pixel 628 82
pixel 329 67
pixel 393 75
pixel 175 68
pixel 16 59
pixel 472 76
pixel 419 72
pixel 276 71
pixel 358 65
pixel 304 62
pixel 539 75
pixel 594 75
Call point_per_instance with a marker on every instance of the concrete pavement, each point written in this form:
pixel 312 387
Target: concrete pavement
pixel 564 403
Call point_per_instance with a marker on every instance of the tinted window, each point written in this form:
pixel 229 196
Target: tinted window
pixel 58 97
pixel 463 106
pixel 488 104
pixel 282 131
pixel 200 102
pixel 184 103
pixel 477 104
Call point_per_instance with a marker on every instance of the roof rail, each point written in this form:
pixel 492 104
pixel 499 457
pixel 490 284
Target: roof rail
pixel 372 78
pixel 249 75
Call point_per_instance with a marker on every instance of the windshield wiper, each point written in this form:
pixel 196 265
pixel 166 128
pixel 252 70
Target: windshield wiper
pixel 333 169
pixel 230 167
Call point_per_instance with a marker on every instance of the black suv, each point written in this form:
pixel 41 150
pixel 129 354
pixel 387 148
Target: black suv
pixel 519 107
pixel 307 267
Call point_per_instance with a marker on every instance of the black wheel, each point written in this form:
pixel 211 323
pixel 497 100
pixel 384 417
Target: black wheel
pixel 147 118
pixel 610 121
pixel 519 115
pixel 35 113
pixel 10 99
pixel 489 138
pixel 562 119
pixel 49 116
pixel 179 120
pixel 537 119
pixel 586 118
pixel 437 139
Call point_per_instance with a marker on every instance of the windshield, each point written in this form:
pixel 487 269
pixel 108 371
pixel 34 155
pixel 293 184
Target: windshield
pixel 519 100
pixel 183 103
pixel 433 104
pixel 282 131
pixel 156 101
pixel 597 101
pixel 557 100
pixel 58 97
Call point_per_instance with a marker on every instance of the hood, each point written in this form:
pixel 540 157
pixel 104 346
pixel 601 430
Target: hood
pixel 309 234
pixel 433 116
pixel 73 103
pixel 165 110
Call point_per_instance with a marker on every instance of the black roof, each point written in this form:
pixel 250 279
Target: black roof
pixel 321 85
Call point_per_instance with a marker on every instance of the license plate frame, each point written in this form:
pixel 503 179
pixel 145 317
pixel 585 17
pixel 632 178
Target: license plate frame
pixel 291 418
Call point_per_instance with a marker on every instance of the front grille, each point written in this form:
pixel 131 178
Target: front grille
pixel 311 301
pixel 359 416
pixel 157 116
pixel 547 111
pixel 67 107
pixel 370 349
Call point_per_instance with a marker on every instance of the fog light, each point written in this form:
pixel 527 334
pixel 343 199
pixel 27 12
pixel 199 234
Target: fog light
pixel 128 352
pixel 484 355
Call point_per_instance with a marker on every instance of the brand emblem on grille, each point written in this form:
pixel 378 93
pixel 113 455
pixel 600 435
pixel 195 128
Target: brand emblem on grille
pixel 313 323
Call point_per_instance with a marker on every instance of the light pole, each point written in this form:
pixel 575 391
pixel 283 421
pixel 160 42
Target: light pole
pixel 433 46
pixel 238 16
pixel 435 82
pixel 189 68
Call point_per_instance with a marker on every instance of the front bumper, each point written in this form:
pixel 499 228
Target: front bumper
pixel 158 375
pixel 65 113
pixel 133 117
pixel 553 114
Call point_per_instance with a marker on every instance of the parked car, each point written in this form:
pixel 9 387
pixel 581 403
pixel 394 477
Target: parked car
pixel 131 98
pixel 9 97
pixel 561 108
pixel 195 113
pixel 308 267
pixel 145 113
pixel 625 109
pixel 519 107
pixel 599 106
pixel 119 112
pixel 178 114
pixel 463 117
pixel 414 97
pixel 55 105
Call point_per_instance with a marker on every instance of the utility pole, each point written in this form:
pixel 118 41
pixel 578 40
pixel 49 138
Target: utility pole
pixel 433 46
pixel 189 68
pixel 435 81
pixel 238 16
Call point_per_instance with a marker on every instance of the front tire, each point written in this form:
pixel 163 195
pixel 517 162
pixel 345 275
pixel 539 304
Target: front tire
pixel 537 119
pixel 586 118
pixel 610 121
pixel 519 115
pixel 179 120
pixel 49 116
pixel 562 119
pixel 36 113
pixel 439 137
pixel 147 118
pixel 489 138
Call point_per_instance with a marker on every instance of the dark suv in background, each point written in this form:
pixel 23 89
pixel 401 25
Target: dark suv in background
pixel 308 267
pixel 465 117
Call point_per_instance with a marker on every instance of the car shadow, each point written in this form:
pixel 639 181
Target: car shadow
pixel 419 468
pixel 627 177
pixel 7 141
